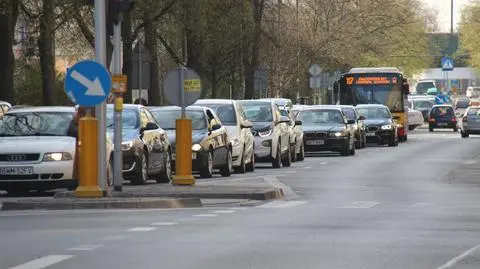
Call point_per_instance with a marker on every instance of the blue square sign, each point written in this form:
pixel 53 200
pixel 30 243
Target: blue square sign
pixel 447 64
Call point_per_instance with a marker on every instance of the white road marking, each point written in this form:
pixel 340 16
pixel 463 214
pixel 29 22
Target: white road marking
pixel 115 237
pixel 361 204
pixel 188 219
pixel 164 223
pixel 43 262
pixel 205 215
pixel 470 162
pixel 307 167
pixel 454 261
pixel 239 208
pixel 323 163
pixel 289 172
pixel 420 204
pixel 141 229
pixel 84 248
pixel 282 204
pixel 223 211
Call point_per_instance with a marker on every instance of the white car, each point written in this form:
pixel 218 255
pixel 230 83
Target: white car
pixel 415 119
pixel 239 130
pixel 36 152
pixel 296 135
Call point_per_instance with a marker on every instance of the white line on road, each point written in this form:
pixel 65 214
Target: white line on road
pixel 282 204
pixel 224 211
pixel 115 237
pixel 291 172
pixel 361 204
pixel 205 215
pixel 420 204
pixel 323 163
pixel 453 262
pixel 188 219
pixel 307 167
pixel 84 248
pixel 164 223
pixel 239 208
pixel 43 262
pixel 141 229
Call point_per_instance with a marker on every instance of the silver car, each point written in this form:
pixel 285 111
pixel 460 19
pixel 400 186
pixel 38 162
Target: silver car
pixel 470 123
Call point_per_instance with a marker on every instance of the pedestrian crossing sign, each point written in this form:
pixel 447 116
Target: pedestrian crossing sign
pixel 447 64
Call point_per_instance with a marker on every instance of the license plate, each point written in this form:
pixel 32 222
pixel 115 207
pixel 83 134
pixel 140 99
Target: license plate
pixel 194 155
pixel 370 134
pixel 9 171
pixel 442 124
pixel 315 142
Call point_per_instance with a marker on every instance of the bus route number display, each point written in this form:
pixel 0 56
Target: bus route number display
pixel 371 80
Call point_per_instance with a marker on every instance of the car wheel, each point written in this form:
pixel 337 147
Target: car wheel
pixel 430 129
pixel 393 142
pixel 242 168
pixel 301 155
pixel 227 169
pixel 352 150
pixel 293 152
pixel 207 171
pixel 141 176
pixel 364 141
pixel 287 160
pixel 166 175
pixel 455 129
pixel 465 134
pixel 251 164
pixel 346 150
pixel 358 142
pixel 277 161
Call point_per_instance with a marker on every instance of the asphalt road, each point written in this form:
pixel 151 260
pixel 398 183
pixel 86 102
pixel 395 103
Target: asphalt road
pixel 383 208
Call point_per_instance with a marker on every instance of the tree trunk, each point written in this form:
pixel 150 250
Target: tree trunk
pixel 46 48
pixel 8 19
pixel 151 45
pixel 127 53
pixel 251 60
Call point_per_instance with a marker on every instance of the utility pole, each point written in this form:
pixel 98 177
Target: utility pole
pixel 451 17
pixel 279 3
pixel 298 49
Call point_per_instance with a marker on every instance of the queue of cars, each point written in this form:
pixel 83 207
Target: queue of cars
pixel 38 148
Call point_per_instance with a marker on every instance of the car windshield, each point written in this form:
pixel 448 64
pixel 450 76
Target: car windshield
pixel 226 113
pixel 423 104
pixel 129 119
pixel 374 112
pixel 462 103
pixel 36 124
pixel 167 118
pixel 474 111
pixel 349 113
pixel 258 112
pixel 321 117
pixel 442 111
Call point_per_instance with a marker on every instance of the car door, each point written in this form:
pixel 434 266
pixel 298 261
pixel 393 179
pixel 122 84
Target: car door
pixel 246 133
pixel 284 129
pixel 216 138
pixel 151 139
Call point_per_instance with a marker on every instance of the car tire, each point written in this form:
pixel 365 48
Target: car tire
pixel 287 160
pixel 455 129
pixel 166 175
pixel 207 171
pixel 393 142
pixel 227 169
pixel 293 152
pixel 346 150
pixel 364 141
pixel 277 161
pixel 141 176
pixel 430 129
pixel 301 155
pixel 251 164
pixel 242 168
pixel 465 134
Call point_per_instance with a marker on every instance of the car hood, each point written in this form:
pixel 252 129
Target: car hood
pixel 233 131
pixel 127 134
pixel 323 128
pixel 377 121
pixel 260 126
pixel 197 136
pixel 35 144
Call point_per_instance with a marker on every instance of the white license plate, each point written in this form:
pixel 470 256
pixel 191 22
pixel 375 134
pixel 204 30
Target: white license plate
pixel 442 124
pixel 9 171
pixel 315 142
pixel 194 155
pixel 370 134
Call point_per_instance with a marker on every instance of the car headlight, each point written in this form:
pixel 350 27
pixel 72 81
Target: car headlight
pixel 399 125
pixel 355 126
pixel 265 133
pixel 387 127
pixel 196 147
pixel 235 142
pixel 338 134
pixel 57 156
pixel 127 145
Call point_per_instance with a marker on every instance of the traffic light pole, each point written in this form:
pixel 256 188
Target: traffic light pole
pixel 100 110
pixel 117 135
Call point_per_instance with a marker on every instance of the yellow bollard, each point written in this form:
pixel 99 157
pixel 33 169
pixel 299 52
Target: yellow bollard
pixel 87 134
pixel 183 162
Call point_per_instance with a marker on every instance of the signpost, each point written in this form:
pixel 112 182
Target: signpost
pixel 315 77
pixel 182 87
pixel 88 83
pixel 447 65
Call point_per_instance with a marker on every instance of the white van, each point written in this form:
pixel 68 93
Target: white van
pixel 473 92
pixel 423 85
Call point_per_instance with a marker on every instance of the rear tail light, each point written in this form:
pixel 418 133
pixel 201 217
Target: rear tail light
pixel 464 119
pixel 431 119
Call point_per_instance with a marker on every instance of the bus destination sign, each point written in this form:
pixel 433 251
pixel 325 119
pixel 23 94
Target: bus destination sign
pixel 379 80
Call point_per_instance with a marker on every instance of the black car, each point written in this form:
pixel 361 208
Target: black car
pixel 359 126
pixel 145 148
pixel 442 117
pixel 211 146
pixel 380 126
pixel 326 128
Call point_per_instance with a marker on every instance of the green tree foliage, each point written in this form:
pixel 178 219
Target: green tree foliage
pixel 470 34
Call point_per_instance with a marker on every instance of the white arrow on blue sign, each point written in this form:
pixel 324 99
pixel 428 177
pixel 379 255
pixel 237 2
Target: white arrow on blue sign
pixel 447 64
pixel 87 83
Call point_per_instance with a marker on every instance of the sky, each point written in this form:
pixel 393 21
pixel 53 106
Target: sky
pixel 443 10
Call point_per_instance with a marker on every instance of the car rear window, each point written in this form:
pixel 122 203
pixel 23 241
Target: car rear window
pixel 441 111
pixel 473 111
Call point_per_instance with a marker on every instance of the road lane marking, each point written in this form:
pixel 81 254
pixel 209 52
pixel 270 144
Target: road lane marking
pixel 205 215
pixel 164 223
pixel 223 212
pixel 282 204
pixel 115 237
pixel 420 204
pixel 362 204
pixel 322 163
pixel 43 262
pixel 307 167
pixel 239 208
pixel 454 261
pixel 188 219
pixel 141 229
pixel 289 172
pixel 84 248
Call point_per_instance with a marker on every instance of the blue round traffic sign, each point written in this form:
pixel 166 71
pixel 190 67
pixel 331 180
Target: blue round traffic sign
pixel 87 83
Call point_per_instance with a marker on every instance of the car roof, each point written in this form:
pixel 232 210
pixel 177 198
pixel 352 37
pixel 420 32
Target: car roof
pixel 215 101
pixel 371 105
pixel 442 105
pixel 43 109
pixel 477 107
pixel 323 107
pixel 194 108
pixel 259 101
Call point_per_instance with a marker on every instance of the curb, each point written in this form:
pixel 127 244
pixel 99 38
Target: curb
pixel 100 203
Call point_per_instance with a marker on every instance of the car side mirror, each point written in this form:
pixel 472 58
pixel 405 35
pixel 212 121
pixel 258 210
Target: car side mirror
pixel 150 126
pixel 351 121
pixel 362 118
pixel 216 127
pixel 246 124
pixel 298 122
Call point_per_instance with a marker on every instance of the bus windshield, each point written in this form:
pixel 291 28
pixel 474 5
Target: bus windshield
pixel 423 86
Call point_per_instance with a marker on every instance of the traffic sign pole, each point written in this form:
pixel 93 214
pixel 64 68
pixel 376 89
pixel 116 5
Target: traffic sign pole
pixel 100 109
pixel 117 132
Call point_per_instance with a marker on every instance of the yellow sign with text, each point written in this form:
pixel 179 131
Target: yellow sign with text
pixel 191 85
pixel 119 83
